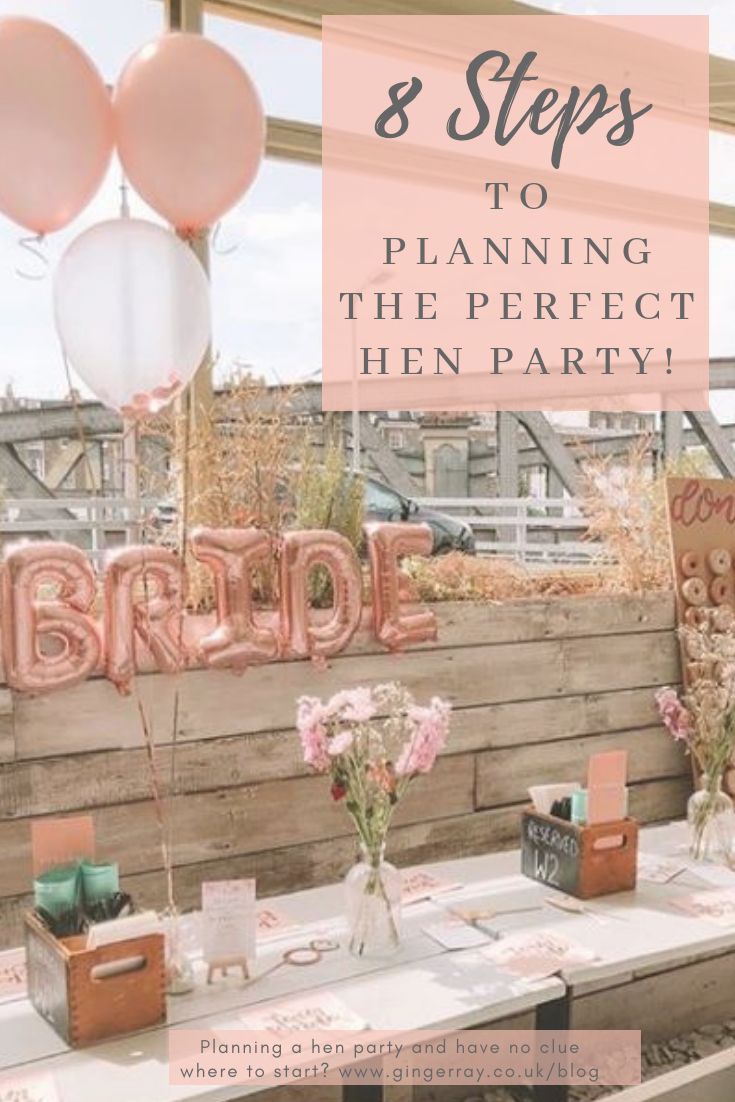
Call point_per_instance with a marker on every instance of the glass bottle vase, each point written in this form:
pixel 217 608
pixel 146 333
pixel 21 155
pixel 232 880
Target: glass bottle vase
pixel 711 820
pixel 373 890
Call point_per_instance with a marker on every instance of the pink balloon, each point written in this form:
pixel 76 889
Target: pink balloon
pixel 56 126
pixel 394 628
pixel 143 603
pixel 300 553
pixel 190 129
pixel 238 641
pixel 48 642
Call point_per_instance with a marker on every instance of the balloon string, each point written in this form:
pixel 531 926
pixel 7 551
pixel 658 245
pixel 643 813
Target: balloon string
pixel 227 250
pixel 31 245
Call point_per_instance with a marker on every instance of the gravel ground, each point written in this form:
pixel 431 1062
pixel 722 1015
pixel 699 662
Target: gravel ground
pixel 657 1059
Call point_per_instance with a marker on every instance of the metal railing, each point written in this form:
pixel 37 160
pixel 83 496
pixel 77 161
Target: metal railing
pixel 93 523
pixel 531 529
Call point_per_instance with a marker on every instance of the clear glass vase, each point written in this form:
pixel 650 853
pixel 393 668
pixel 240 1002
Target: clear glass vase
pixel 711 820
pixel 179 969
pixel 373 889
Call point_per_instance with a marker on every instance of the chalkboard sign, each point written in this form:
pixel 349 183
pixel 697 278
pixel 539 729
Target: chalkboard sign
pixel 585 861
pixel 550 851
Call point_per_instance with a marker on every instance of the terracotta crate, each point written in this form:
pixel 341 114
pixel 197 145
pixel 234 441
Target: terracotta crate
pixel 584 861
pixel 80 992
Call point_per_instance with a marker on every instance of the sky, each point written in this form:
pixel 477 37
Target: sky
pixel 266 262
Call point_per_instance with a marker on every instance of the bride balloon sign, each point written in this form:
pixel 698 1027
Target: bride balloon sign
pixel 52 637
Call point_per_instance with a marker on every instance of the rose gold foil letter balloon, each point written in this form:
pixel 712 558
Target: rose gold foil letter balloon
pixel 238 641
pixel 301 552
pixel 143 602
pixel 386 543
pixel 49 642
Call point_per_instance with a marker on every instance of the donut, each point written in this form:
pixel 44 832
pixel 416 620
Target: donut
pixel 694 591
pixel 719 561
pixel 695 617
pixel 723 617
pixel 721 590
pixel 690 564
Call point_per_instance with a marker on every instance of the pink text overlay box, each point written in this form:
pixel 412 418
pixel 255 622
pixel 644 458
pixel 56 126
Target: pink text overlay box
pixel 535 232
pixel 360 1057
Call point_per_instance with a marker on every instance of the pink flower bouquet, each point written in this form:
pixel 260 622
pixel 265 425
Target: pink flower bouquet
pixel 372 742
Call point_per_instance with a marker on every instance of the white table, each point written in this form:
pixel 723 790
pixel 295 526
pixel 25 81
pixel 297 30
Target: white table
pixel 423 986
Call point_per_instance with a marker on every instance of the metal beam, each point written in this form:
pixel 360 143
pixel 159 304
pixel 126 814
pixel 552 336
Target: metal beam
pixel 672 433
pixel 383 458
pixel 551 446
pixel 507 454
pixel 709 431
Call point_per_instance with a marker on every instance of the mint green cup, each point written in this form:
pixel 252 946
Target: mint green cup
pixel 99 882
pixel 57 890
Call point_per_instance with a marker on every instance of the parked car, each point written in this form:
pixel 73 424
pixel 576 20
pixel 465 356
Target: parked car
pixel 450 534
pixel 381 503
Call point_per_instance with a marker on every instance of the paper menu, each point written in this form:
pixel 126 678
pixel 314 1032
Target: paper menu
pixel 659 870
pixel 28 1088
pixel 714 906
pixel 228 919
pixel 419 884
pixel 536 954
pixel 61 841
pixel 13 977
pixel 319 1010
pixel 454 933
pixel 270 922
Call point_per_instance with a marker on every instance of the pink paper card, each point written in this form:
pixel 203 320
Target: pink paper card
pixel 270 922
pixel 536 954
pixel 318 1011
pixel 606 776
pixel 419 884
pixel 228 919
pixel 13 979
pixel 60 841
pixel 28 1088
pixel 715 906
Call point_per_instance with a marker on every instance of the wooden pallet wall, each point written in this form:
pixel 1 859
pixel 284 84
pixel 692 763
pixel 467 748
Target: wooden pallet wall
pixel 536 686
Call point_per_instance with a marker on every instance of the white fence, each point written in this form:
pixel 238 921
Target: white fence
pixel 530 529
pixel 94 523
pixel 547 529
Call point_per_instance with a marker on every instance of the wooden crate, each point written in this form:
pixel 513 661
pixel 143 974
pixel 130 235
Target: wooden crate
pixel 80 993
pixel 584 861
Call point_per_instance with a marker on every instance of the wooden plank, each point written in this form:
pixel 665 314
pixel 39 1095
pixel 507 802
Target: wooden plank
pixel 217 704
pixel 238 820
pixel 711 1079
pixel 74 781
pixel 7 726
pixel 503 775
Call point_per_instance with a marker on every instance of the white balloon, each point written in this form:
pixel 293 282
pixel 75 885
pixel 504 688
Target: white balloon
pixel 132 310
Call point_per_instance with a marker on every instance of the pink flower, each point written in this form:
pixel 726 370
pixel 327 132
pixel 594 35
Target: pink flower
pixel 352 705
pixel 340 742
pixel 673 713
pixel 431 726
pixel 313 733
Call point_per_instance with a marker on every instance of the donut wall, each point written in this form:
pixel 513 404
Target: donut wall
pixel 702 526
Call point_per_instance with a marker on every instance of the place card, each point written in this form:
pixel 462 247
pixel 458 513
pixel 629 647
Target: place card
pixel 536 954
pixel 606 775
pixel 659 870
pixel 270 922
pixel 419 884
pixel 61 841
pixel 454 933
pixel 13 976
pixel 228 922
pixel 318 1011
pixel 28 1088
pixel 714 906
